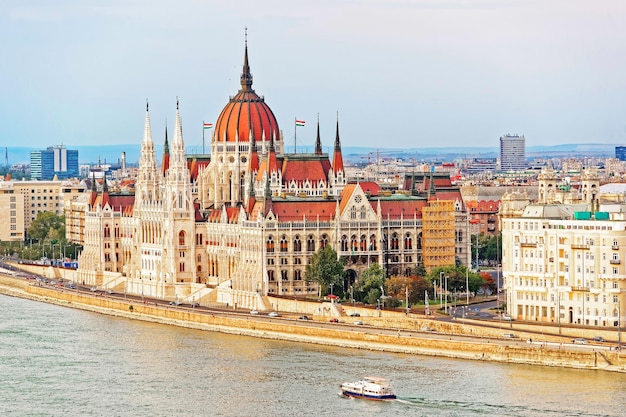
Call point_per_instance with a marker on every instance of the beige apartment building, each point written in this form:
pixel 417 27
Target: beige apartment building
pixel 24 200
pixel 12 204
pixel 561 257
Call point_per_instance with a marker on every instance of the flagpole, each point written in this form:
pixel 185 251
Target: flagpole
pixel 203 137
pixel 295 129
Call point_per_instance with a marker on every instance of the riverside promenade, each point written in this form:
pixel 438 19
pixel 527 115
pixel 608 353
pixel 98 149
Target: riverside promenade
pixel 402 334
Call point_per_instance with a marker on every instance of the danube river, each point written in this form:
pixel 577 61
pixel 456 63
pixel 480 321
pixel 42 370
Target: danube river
pixel 56 361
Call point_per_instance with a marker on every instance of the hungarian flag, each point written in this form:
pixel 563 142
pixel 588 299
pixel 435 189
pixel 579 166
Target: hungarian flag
pixel 300 122
pixel 208 125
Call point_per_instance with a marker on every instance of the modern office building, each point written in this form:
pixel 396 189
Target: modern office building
pixel 620 153
pixel 512 152
pixel 54 161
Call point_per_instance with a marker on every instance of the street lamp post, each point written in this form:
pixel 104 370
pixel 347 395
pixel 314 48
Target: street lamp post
pixel 331 291
pixel 446 298
pixel 440 287
pixel 407 301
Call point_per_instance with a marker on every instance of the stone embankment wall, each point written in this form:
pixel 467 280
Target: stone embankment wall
pixel 407 342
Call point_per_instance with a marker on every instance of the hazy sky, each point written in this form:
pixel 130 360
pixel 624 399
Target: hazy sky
pixel 401 73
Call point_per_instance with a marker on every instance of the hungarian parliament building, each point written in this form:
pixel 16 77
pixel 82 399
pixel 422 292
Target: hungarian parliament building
pixel 242 223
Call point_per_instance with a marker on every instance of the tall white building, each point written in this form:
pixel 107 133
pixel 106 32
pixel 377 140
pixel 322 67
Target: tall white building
pixel 512 152
pixel 562 261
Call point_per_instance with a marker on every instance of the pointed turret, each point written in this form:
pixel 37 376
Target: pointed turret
pixel 147 132
pixel 105 192
pixel 246 76
pixel 165 163
pixel 432 192
pixel 337 158
pixel 94 190
pixel 318 140
pixel 272 162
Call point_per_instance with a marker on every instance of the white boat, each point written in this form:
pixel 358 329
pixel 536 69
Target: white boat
pixel 370 388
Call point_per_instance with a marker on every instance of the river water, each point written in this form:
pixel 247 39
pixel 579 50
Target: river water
pixel 56 361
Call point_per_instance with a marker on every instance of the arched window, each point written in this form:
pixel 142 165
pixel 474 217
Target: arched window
pixel 344 243
pixel 408 241
pixel 181 238
pixel 107 231
pixel 419 240
pixel 324 241
pixel 283 243
pixel 373 242
pixel 363 242
pixel 363 212
pixel 181 267
pixel 353 244
pixel 394 242
pixel 283 275
pixel 269 245
pixel 310 244
pixel 353 213
pixel 297 244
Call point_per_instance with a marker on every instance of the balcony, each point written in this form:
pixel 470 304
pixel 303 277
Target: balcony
pixel 580 246
pixel 528 245
pixel 580 289
pixel 615 261
pixel 615 247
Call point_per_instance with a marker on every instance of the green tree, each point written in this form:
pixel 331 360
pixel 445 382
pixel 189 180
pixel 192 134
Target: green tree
pixel 369 286
pixel 456 278
pixel 325 269
pixel 47 226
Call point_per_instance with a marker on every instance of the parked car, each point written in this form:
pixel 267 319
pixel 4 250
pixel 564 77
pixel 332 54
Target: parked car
pixel 72 286
pixel 93 289
pixel 273 314
pixel 195 305
pixel 334 320
pixel 509 335
pixel 304 318
pixel 580 341
pixel 254 312
pixel 175 303
pixel 355 314
pixel 358 323
pixel 599 339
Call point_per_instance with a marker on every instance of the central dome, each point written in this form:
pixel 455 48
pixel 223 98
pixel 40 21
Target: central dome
pixel 246 117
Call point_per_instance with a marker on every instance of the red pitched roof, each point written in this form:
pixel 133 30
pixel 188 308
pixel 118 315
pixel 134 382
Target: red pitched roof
pixel 298 210
pixel 302 170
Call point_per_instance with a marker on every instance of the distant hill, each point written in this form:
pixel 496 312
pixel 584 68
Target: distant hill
pixel 111 153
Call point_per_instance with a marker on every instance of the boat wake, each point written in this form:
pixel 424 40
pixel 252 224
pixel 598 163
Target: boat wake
pixel 466 408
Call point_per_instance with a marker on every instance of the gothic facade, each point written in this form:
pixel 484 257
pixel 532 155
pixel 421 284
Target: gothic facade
pixel 244 224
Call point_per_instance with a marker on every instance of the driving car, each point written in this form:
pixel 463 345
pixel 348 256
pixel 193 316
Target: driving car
pixel 580 341
pixel 175 303
pixel 599 339
pixel 273 314
pixel 355 315
pixel 304 318
pixel 334 320
pixel 358 323
pixel 254 312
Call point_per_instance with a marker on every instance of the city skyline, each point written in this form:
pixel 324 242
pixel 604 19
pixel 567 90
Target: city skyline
pixel 403 74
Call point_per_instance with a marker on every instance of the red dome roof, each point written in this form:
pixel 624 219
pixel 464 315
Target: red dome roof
pixel 246 114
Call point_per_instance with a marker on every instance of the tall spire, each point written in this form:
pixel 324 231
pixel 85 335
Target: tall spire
pixel 337 158
pixel 318 141
pixel 147 133
pixel 165 162
pixel 178 127
pixel 246 76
